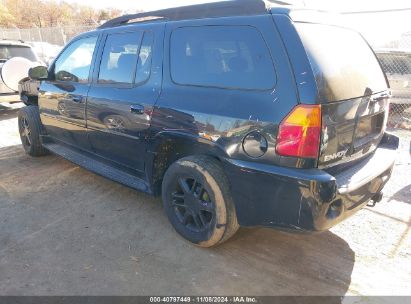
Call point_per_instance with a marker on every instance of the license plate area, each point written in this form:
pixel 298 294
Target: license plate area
pixel 368 129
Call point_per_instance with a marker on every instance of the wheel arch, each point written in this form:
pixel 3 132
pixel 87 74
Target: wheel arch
pixel 168 147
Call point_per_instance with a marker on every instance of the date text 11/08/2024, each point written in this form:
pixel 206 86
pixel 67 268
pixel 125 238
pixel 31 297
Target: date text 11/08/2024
pixel 208 299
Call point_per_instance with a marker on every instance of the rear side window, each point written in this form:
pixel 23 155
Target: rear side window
pixel 344 65
pixel 144 58
pixel 119 60
pixel 234 57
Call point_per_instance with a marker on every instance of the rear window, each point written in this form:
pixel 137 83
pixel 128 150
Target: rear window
pixel 233 57
pixel 10 51
pixel 344 65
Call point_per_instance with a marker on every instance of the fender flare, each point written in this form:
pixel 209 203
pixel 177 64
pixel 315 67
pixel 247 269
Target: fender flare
pixel 169 146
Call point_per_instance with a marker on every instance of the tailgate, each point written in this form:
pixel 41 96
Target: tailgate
pixel 352 90
pixel 352 128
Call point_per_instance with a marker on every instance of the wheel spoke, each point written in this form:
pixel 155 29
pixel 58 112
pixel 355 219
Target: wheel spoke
pixel 176 203
pixel 184 186
pixel 202 219
pixel 25 132
pixel 193 186
pixel 197 221
pixel 177 195
pixel 28 140
pixel 198 190
pixel 186 217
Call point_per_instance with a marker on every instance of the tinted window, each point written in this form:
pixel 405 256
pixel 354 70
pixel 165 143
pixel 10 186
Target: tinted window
pixel 10 51
pixel 119 60
pixel 343 64
pixel 144 58
pixel 74 63
pixel 221 56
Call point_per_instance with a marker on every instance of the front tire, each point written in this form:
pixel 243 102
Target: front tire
pixel 197 201
pixel 30 130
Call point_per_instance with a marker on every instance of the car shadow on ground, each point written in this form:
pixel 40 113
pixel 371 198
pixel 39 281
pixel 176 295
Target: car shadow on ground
pixel 402 195
pixel 78 216
pixel 316 264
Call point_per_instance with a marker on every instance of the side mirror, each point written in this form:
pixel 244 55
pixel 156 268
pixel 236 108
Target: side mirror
pixel 38 73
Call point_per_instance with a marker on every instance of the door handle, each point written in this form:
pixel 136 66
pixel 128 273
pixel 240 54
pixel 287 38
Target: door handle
pixel 77 99
pixel 137 109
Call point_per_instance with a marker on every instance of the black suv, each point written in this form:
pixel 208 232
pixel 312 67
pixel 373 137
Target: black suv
pixel 238 113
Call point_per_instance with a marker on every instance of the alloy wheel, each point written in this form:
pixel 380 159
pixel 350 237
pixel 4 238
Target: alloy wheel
pixel 192 205
pixel 25 131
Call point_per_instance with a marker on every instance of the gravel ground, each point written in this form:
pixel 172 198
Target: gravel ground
pixel 66 231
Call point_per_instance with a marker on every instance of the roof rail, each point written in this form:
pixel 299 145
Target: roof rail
pixel 199 11
pixel 7 39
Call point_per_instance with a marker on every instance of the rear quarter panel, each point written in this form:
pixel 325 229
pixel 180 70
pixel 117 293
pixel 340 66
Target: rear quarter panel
pixel 214 121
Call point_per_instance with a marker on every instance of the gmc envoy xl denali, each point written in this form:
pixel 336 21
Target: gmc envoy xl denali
pixel 238 113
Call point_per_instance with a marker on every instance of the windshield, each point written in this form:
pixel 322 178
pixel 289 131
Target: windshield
pixel 344 65
pixel 10 51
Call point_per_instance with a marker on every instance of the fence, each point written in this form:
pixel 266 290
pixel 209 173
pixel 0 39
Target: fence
pixel 397 65
pixel 395 60
pixel 53 35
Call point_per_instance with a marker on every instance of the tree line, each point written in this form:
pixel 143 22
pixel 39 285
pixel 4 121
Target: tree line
pixel 49 13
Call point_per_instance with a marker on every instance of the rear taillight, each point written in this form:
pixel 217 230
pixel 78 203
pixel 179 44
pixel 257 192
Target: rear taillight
pixel 300 132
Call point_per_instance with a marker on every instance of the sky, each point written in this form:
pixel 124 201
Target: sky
pixel 335 5
pixel 378 28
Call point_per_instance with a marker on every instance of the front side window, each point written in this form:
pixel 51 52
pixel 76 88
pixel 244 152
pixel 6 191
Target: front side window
pixel 234 57
pixel 119 60
pixel 74 63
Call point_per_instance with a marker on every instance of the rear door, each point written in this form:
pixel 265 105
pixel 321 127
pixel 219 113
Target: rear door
pixel 126 85
pixel 352 90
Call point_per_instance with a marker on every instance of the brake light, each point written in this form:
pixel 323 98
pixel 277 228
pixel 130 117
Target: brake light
pixel 300 132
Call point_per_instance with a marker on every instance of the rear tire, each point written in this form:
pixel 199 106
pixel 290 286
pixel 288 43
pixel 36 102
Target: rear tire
pixel 30 128
pixel 197 201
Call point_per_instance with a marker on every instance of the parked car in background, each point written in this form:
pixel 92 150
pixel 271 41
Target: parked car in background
pixel 397 66
pixel 45 51
pixel 238 113
pixel 10 49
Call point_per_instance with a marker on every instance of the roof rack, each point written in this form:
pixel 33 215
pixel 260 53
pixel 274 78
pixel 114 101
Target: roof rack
pixel 199 11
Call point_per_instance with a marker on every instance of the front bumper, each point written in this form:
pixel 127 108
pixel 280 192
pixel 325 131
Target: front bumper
pixel 307 199
pixel 9 97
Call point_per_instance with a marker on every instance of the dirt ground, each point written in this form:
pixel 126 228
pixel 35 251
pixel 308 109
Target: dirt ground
pixel 66 231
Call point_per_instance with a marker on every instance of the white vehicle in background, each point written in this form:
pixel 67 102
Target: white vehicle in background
pixel 45 51
pixel 11 50
pixel 396 64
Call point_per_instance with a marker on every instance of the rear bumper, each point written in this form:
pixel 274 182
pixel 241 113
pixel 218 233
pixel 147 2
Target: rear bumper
pixel 307 199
